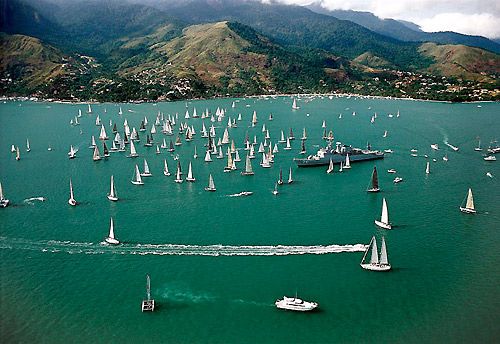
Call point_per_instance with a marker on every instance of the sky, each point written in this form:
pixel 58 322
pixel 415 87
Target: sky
pixel 471 17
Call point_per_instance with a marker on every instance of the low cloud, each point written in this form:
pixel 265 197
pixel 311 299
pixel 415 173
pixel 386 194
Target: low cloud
pixel 484 24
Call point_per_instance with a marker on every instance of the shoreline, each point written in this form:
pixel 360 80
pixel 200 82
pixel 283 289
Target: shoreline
pixel 276 95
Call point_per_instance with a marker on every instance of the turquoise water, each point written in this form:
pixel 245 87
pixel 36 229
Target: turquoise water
pixel 60 284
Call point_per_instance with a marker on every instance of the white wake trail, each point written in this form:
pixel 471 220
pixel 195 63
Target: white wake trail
pixel 55 246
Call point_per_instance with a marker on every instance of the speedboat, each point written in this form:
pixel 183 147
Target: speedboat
pixel 295 304
pixel 490 158
pixel 391 171
pixel 397 180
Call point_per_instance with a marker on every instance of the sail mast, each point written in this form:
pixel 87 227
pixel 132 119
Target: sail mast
pixel 374 257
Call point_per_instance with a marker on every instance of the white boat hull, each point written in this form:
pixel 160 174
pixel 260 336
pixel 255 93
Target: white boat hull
pixel 72 202
pixel 383 224
pixel 112 198
pixel 376 267
pixel 137 183
pixel 112 241
pixel 297 305
pixel 467 210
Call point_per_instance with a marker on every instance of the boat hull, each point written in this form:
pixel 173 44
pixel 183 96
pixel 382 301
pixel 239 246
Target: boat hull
pixel 376 267
pixel 112 198
pixel 467 210
pixel 112 241
pixel 383 224
pixel 336 159
pixel 72 202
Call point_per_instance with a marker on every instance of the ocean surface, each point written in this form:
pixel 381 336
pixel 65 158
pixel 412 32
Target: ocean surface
pixel 218 263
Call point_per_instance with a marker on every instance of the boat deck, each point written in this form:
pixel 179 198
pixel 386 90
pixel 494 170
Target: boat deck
pixel 148 305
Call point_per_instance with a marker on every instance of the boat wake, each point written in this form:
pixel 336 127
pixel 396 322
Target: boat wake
pixel 32 199
pixel 54 246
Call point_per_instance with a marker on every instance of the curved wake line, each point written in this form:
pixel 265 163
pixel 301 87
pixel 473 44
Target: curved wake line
pixel 54 246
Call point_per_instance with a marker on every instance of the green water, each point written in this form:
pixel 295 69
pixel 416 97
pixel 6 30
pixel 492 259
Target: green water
pixel 59 284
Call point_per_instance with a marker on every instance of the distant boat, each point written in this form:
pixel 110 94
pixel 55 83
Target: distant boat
pixel 397 180
pixel 290 179
pixel 165 168
pixel 147 172
pixel 112 191
pixel 92 142
pixel 384 219
pixel 280 178
pixel 4 202
pixel 18 154
pixel 287 147
pixel 330 167
pixel 294 105
pixel 489 174
pixel 178 173
pixel 71 200
pixel 391 170
pixel 148 305
pixel 435 146
pixel 96 156
pixel 72 152
pixel 295 304
pixel 137 180
pixel 229 166
pixel 275 191
pixel 13 148
pixel 490 158
pixel 195 155
pixel 376 263
pixel 469 204
pixel 341 168
pixel 385 134
pixel 28 148
pixel 478 148
pixel 347 161
pixel 451 146
pixel 211 184
pixel 190 177
pixel 111 236
pixel 428 168
pixel 374 187
pixel 248 167
pixel 133 152
pixel 208 158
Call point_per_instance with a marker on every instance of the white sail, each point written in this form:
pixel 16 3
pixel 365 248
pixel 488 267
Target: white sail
pixel 330 167
pixel 112 191
pixel 470 200
pixel 146 173
pixel 137 178
pixel 190 177
pixel 28 148
pixel 133 152
pixel 225 137
pixel 1 193
pixel 71 195
pixel 427 168
pixel 383 253
pixel 287 147
pixel 290 179
pixel 165 168
pixel 347 162
pixel 96 156
pixel 385 214
pixel 178 176
pixel 211 184
pixel 103 135
pixel 374 256
pixel 208 158
pixel 294 105
pixel 254 118
pixel 282 138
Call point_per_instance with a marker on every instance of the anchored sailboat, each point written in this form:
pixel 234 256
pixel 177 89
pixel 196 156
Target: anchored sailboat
pixel 469 204
pixel 374 181
pixel 384 219
pixel 111 237
pixel 112 191
pixel 148 305
pixel 330 167
pixel 376 263
pixel 147 172
pixel 71 200
pixel 347 161
pixel 178 173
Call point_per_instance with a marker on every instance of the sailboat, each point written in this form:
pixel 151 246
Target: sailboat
pixel 208 158
pixel 112 191
pixel 146 172
pixel 133 152
pixel 178 173
pixel 280 179
pixel 478 148
pixel 428 168
pixel 72 152
pixel 376 263
pixel 287 147
pixel 92 144
pixel 384 219
pixel 28 148
pixel 18 154
pixel 275 191
pixel 347 162
pixel 96 156
pixel 71 200
pixel 211 184
pixel 341 168
pixel 3 201
pixel 148 305
pixel 190 177
pixel 195 155
pixel 290 179
pixel 374 181
pixel 229 166
pixel 137 180
pixel 111 237
pixel 165 168
pixel 469 204
pixel 330 167
pixel 248 166
pixel 294 105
